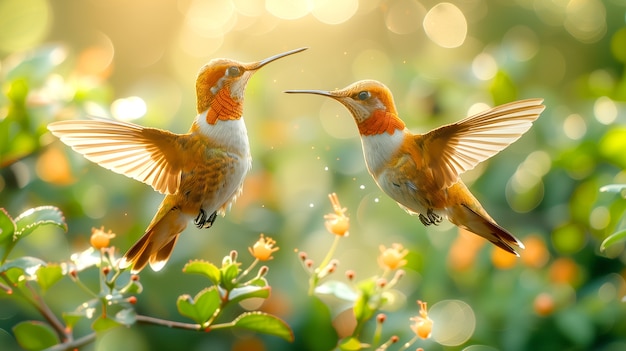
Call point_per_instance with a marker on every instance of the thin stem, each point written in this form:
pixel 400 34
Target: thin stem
pixel 74 344
pixel 47 313
pixel 408 344
pixel 329 255
pixel 247 271
pixel 170 324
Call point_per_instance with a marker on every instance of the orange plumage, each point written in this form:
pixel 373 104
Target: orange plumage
pixel 421 171
pixel 201 172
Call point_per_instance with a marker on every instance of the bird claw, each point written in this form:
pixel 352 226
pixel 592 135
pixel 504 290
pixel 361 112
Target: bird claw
pixel 202 221
pixel 430 218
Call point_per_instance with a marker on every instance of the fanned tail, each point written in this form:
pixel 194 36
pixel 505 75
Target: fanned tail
pixel 156 245
pixel 466 218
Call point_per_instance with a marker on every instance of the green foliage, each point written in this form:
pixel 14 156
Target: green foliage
pixel 13 230
pixel 35 336
pixel 620 234
pixel 111 305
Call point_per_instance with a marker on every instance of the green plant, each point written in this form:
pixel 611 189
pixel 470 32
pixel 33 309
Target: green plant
pixel 111 303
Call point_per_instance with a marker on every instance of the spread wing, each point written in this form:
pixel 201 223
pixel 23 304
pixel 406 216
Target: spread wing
pixel 152 156
pixel 458 147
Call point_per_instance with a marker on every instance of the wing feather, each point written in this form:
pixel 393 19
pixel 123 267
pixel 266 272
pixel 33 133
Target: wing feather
pixel 459 147
pixel 126 148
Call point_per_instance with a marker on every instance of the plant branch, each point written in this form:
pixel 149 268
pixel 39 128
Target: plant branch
pixel 75 344
pixel 170 324
pixel 47 313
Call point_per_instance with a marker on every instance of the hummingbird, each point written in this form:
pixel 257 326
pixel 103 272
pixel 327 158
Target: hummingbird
pixel 421 171
pixel 201 172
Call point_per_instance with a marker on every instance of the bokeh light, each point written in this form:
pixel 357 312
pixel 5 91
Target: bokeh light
pixel 128 109
pixel 289 9
pixel 445 24
pixel 334 12
pixel 454 322
pixel 404 16
pixel 23 23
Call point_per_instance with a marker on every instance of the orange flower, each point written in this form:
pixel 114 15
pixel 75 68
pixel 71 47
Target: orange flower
pixel 99 238
pixel 263 248
pixel 422 325
pixel 337 223
pixel 393 257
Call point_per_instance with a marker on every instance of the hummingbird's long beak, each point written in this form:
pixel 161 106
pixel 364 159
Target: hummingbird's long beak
pixel 316 92
pixel 256 65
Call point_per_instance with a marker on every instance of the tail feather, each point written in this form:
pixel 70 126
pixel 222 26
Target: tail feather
pixel 469 219
pixel 156 245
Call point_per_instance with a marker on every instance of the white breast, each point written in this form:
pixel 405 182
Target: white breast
pixel 379 148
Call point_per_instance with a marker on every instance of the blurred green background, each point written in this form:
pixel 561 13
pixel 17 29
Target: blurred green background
pixel 137 60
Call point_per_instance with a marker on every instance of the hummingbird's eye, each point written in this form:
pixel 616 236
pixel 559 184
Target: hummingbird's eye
pixel 233 71
pixel 364 95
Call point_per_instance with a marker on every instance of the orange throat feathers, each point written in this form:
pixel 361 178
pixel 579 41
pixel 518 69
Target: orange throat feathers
pixel 223 107
pixel 381 122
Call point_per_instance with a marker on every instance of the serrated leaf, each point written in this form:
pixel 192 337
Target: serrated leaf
pixel 35 335
pixel 103 323
pixel 229 274
pixel 205 268
pixel 613 239
pixel 247 292
pixel 33 218
pixel 7 225
pixel 200 308
pixel 264 323
pixel 48 275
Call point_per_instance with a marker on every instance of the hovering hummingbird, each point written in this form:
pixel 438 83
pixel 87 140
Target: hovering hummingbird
pixel 421 171
pixel 200 172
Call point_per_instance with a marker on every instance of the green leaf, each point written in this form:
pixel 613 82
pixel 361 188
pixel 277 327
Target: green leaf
pixel 362 309
pixel 247 292
pixel 35 335
pixel 28 265
pixel 615 188
pixel 612 239
pixel 264 323
pixel 207 303
pixel 49 275
pixel 315 328
pixel 103 323
pixel 133 288
pixel 229 274
pixel 200 308
pixel 205 268
pixel 351 343
pixel 71 318
pixel 33 218
pixel 7 225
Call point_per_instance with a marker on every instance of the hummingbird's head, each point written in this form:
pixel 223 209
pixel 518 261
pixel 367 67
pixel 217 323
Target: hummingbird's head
pixel 364 98
pixel 228 78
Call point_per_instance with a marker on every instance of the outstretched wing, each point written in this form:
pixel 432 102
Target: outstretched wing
pixel 150 155
pixel 458 147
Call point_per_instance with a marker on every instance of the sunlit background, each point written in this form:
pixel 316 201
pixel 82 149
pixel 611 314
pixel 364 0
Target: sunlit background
pixel 137 61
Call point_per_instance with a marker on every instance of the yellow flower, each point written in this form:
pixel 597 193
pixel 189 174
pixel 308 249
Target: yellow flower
pixel 393 257
pixel 337 223
pixel 263 248
pixel 422 325
pixel 99 238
